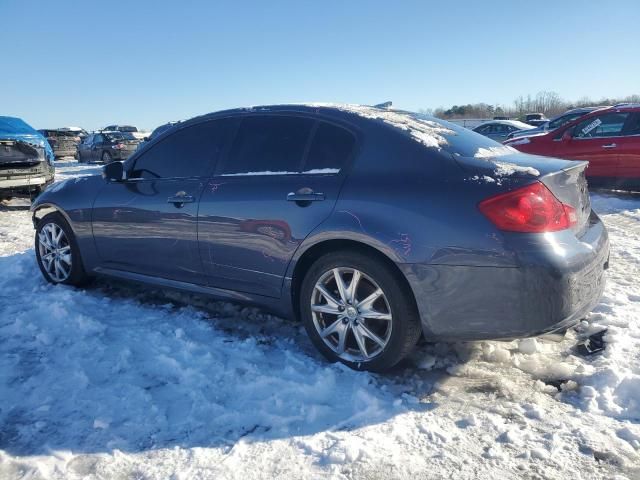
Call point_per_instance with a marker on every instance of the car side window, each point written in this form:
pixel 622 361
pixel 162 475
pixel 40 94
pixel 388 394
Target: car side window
pixel 607 125
pixel 330 149
pixel 188 152
pixel 98 139
pixel 482 129
pixel 633 125
pixel 270 144
pixel 88 140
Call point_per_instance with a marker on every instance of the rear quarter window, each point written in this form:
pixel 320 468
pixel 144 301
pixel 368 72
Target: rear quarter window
pixel 330 149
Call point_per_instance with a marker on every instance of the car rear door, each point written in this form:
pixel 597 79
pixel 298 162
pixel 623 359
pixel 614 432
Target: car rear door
pixel 147 224
pixel 279 181
pixel 96 147
pixel 629 149
pixel 595 139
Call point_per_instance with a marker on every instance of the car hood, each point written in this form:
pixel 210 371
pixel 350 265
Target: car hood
pixel 76 193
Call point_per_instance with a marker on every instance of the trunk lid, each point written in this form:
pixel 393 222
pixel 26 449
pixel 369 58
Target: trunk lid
pixel 569 185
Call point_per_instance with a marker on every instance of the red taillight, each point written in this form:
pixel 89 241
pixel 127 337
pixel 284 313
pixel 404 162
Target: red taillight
pixel 532 209
pixel 119 146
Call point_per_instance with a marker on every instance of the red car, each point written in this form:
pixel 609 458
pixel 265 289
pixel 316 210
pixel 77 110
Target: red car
pixel 608 138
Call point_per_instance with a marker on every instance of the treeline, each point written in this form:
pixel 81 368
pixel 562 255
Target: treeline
pixel 549 103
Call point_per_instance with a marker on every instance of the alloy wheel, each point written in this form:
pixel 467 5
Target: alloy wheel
pixel 351 314
pixel 55 252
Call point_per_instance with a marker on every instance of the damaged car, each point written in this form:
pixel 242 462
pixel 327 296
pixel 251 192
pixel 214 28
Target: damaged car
pixel 26 159
pixel 372 226
pixel 64 141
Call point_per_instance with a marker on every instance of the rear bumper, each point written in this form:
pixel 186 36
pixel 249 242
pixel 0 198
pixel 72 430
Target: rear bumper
pixel 65 152
pixel 560 279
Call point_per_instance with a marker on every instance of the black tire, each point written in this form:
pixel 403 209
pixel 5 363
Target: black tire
pixel 77 274
pixel 106 157
pixel 405 321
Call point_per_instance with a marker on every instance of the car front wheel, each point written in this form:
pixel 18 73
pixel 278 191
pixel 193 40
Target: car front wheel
pixel 357 311
pixel 57 251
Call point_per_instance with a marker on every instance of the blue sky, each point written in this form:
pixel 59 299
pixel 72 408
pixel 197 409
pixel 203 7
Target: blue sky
pixel 147 62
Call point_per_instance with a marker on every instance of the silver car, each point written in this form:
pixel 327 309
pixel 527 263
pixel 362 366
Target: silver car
pixel 499 130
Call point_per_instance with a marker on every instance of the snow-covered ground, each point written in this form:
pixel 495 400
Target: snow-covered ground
pixel 117 382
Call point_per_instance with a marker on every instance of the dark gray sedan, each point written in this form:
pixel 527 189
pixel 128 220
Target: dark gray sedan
pixel 372 226
pixel 106 147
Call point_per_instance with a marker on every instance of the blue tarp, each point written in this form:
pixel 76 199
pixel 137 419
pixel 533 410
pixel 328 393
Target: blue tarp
pixel 12 128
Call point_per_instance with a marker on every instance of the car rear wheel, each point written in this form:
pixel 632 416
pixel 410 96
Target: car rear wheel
pixel 356 311
pixel 106 157
pixel 57 251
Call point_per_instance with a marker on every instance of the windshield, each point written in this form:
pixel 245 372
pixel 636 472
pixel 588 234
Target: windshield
pixel 12 125
pixel 120 136
pixel 126 128
pixel 570 117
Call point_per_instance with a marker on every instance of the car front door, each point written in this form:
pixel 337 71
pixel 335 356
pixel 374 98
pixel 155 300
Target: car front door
pixel 147 224
pixel 629 150
pixel 279 181
pixel 594 139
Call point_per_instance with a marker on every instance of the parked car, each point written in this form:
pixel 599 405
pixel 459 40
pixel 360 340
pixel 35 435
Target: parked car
pixel 556 122
pixel 128 129
pixel 499 130
pixel 608 138
pixel 535 119
pixel 26 159
pixel 107 146
pixel 370 225
pixel 63 142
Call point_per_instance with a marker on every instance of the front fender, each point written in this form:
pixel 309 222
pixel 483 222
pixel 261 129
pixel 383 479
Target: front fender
pixel 73 198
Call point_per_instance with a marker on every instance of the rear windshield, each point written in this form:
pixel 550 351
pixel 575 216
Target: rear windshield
pixel 126 128
pixel 455 139
pixel 120 136
pixel 58 133
pixel 12 125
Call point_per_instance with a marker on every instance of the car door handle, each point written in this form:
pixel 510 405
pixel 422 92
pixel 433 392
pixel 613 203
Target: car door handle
pixel 305 197
pixel 180 199
pixel 610 145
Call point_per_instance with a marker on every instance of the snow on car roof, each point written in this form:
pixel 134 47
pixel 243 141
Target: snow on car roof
pixel 427 132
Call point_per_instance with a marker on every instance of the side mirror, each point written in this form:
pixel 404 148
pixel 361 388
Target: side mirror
pixel 567 135
pixel 113 172
pixel 146 139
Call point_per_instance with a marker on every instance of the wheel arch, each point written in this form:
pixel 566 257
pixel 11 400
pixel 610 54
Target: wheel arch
pixel 43 209
pixel 315 251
